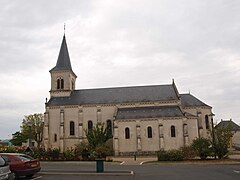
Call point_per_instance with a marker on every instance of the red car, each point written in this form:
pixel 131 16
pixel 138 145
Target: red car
pixel 22 164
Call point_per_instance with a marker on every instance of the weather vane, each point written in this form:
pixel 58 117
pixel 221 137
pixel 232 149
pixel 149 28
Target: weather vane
pixel 64 27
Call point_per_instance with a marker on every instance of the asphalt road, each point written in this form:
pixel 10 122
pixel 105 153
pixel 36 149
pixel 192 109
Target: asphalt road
pixel 87 171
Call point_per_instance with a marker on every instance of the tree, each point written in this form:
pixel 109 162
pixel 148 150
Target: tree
pixel 202 147
pixel 220 143
pixel 18 138
pixel 97 135
pixel 32 125
pixel 98 142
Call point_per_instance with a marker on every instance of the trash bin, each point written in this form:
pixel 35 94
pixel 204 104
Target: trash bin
pixel 100 165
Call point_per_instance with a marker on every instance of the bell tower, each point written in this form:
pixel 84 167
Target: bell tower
pixel 62 76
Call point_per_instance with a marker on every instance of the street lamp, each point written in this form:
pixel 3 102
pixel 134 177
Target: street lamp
pixel 30 134
pixel 213 133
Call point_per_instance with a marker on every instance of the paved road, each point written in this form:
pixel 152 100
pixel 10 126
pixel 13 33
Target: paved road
pixel 86 171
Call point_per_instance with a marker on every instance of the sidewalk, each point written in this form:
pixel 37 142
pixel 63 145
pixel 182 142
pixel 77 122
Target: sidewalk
pixel 233 159
pixel 132 161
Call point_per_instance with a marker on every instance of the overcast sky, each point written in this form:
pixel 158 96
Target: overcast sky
pixel 116 43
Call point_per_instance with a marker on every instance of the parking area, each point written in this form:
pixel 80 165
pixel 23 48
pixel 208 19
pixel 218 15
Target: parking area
pixel 87 171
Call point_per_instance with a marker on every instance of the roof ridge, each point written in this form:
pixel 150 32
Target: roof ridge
pixel 118 87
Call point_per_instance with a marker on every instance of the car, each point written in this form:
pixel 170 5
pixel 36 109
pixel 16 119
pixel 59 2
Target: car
pixel 22 164
pixel 4 169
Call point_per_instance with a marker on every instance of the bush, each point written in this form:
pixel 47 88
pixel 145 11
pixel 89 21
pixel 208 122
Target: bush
pixel 188 152
pixel 171 155
pixel 54 154
pixel 202 147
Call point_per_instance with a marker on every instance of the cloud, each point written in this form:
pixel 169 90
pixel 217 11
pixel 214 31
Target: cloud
pixel 120 43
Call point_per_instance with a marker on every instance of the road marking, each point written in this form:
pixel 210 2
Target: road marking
pixel 236 171
pixel 122 163
pixel 91 173
pixel 37 177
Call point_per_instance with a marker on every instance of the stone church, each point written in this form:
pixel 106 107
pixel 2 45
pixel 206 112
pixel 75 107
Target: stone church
pixel 142 119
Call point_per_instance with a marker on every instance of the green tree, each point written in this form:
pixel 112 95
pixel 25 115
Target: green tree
pixel 97 135
pixel 221 140
pixel 32 125
pixel 202 147
pixel 18 138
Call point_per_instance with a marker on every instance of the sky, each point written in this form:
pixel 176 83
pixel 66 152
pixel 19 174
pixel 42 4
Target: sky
pixel 116 43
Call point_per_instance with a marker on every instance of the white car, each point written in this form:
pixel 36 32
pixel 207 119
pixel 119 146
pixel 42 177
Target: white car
pixel 4 169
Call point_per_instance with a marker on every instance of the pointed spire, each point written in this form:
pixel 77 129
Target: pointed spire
pixel 63 62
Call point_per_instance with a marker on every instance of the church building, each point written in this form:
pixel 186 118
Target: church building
pixel 142 119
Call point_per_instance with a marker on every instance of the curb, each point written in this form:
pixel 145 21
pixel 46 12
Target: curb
pixel 90 173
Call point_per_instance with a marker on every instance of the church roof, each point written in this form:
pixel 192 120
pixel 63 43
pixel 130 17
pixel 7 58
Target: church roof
pixel 63 62
pixel 117 95
pixel 189 100
pixel 149 112
pixel 228 124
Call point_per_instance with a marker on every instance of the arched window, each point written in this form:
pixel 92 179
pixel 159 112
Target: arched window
pixel 72 128
pixel 90 124
pixel 149 132
pixel 58 84
pixel 207 122
pixel 109 127
pixel 62 84
pixel 173 131
pixel 127 133
pixel 55 137
pixel 72 85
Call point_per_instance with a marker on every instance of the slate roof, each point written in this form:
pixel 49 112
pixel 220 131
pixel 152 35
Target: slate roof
pixel 149 112
pixel 117 95
pixel 63 62
pixel 189 100
pixel 228 124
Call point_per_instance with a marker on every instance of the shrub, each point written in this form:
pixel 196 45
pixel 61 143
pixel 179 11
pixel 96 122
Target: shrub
pixel 171 155
pixel 188 152
pixel 12 149
pixel 102 151
pixel 202 147
pixel 54 154
pixel 70 155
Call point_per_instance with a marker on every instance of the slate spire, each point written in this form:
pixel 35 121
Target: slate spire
pixel 63 62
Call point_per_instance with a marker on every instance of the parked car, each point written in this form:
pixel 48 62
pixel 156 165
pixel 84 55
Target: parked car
pixel 4 169
pixel 22 164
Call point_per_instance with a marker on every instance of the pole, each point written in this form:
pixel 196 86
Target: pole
pixel 30 136
pixel 213 136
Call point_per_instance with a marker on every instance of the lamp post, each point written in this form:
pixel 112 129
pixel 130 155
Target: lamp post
pixel 30 135
pixel 213 133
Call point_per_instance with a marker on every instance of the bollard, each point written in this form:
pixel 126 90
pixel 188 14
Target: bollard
pixel 135 157
pixel 100 165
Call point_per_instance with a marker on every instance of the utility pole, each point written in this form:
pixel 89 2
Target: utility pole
pixel 213 134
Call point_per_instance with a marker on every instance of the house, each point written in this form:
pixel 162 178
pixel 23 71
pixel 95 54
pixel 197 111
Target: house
pixel 235 139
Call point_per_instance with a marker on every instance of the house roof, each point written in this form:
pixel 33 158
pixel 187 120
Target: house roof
pixel 188 100
pixel 117 95
pixel 63 62
pixel 228 124
pixel 149 112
